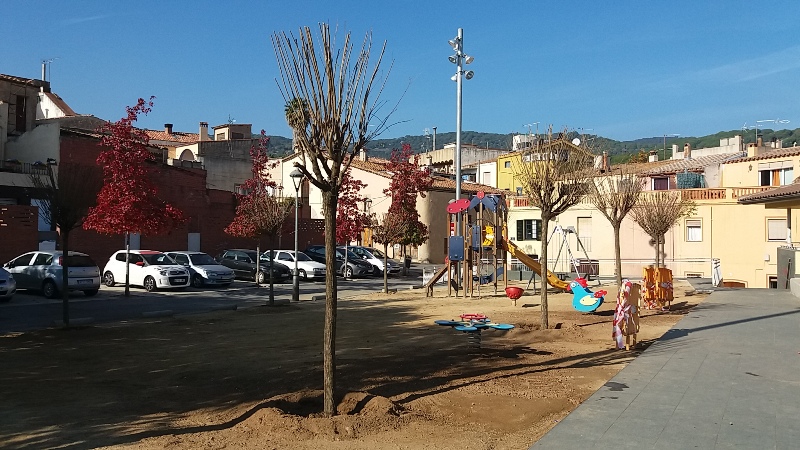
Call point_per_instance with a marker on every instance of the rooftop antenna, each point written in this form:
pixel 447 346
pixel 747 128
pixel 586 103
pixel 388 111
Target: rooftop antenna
pixel 45 64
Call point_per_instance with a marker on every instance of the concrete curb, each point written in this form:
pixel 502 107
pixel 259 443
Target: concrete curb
pixel 225 308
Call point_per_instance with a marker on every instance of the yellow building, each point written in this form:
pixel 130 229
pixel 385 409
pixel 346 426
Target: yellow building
pixel 744 238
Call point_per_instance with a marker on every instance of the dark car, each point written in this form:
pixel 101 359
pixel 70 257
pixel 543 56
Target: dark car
pixel 355 267
pixel 243 263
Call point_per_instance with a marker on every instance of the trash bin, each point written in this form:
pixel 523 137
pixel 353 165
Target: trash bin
pixel 408 262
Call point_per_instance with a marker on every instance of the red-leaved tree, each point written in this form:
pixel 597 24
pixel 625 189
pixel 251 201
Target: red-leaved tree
pixel 128 202
pixel 350 219
pixel 408 182
pixel 259 212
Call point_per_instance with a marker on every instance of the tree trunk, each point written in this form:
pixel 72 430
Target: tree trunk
pixel 543 262
pixel 127 264
pixel 65 277
pixel 271 277
pixel 385 269
pixel 258 262
pixel 329 200
pixel 617 254
pixel 657 247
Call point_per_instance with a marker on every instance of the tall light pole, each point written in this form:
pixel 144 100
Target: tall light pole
pixel 297 179
pixel 459 59
pixel 434 138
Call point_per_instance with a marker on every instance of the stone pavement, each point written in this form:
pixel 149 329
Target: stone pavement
pixel 727 375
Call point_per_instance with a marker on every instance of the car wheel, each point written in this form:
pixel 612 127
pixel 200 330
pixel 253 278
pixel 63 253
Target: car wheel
pixel 49 289
pixel 261 278
pixel 150 284
pixel 302 274
pixel 108 279
pixel 90 292
pixel 197 281
pixel 348 272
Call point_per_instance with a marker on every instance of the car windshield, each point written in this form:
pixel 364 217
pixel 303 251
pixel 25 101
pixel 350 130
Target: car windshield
pixel 80 261
pixel 375 252
pixel 158 258
pixel 350 254
pixel 303 257
pixel 202 259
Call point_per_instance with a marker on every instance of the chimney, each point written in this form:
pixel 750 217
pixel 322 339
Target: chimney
pixel 760 141
pixel 752 150
pixel 203 131
pixel 362 154
pixel 653 156
pixel 687 151
pixel 606 167
pixel 168 128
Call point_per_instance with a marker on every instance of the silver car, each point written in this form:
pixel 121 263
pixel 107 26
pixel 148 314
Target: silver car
pixel 8 286
pixel 204 269
pixel 42 271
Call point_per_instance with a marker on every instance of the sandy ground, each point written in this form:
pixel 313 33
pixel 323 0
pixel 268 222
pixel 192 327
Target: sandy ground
pixel 252 378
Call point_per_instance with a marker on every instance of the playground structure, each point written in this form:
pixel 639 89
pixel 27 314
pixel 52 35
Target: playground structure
pixel 478 256
pixel 472 325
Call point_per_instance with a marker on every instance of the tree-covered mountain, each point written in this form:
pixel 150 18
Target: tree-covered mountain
pixel 618 150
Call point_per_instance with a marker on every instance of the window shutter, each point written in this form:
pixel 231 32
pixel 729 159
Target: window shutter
pixel 538 236
pixel 520 230
pixel 776 229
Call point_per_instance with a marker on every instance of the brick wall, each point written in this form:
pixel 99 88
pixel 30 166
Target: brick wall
pixel 208 212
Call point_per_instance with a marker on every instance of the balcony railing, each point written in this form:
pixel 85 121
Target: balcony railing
pixel 23 168
pixel 702 195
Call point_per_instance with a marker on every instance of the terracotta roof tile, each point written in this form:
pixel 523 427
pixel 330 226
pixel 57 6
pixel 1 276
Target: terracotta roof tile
pixel 790 191
pixel 21 80
pixel 692 164
pixel 175 136
pixel 778 153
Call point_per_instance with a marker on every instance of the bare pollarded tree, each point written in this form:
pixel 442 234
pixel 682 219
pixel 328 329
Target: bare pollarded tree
pixel 657 212
pixel 555 175
pixel 332 95
pixel 615 195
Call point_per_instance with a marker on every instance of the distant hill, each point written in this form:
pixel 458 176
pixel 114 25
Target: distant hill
pixel 618 150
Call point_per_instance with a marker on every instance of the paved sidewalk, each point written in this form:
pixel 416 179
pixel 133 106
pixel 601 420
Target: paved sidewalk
pixel 725 376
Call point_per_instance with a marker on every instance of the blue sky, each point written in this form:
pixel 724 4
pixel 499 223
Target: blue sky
pixel 621 69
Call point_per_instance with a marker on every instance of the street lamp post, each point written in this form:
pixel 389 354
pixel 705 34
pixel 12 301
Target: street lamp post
pixel 297 179
pixel 459 59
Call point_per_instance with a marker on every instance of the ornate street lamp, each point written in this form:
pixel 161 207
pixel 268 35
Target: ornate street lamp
pixel 297 180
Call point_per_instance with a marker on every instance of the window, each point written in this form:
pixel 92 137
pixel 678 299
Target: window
pixel 181 259
pixel 585 232
pixel 21 114
pixel 220 136
pixel 43 259
pixel 23 260
pixel 519 190
pixel 529 230
pixel 775 173
pixel 694 230
pixel 507 164
pixel 772 282
pixel 660 184
pixel 776 230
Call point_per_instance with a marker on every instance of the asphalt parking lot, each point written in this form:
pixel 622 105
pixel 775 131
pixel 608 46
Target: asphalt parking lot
pixel 30 310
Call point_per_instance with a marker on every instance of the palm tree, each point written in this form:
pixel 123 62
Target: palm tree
pixel 296 111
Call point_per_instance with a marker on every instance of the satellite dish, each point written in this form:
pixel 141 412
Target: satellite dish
pixel 576 141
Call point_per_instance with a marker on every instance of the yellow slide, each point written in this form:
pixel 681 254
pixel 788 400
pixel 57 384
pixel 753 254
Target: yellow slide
pixel 552 279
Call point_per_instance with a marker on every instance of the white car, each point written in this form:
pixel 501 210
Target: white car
pixel 149 269
pixel 204 270
pixel 307 268
pixel 375 257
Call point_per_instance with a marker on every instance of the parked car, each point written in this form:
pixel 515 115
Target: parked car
pixel 43 271
pixel 8 286
pixel 306 267
pixel 203 269
pixel 355 266
pixel 147 268
pixel 243 263
pixel 375 257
